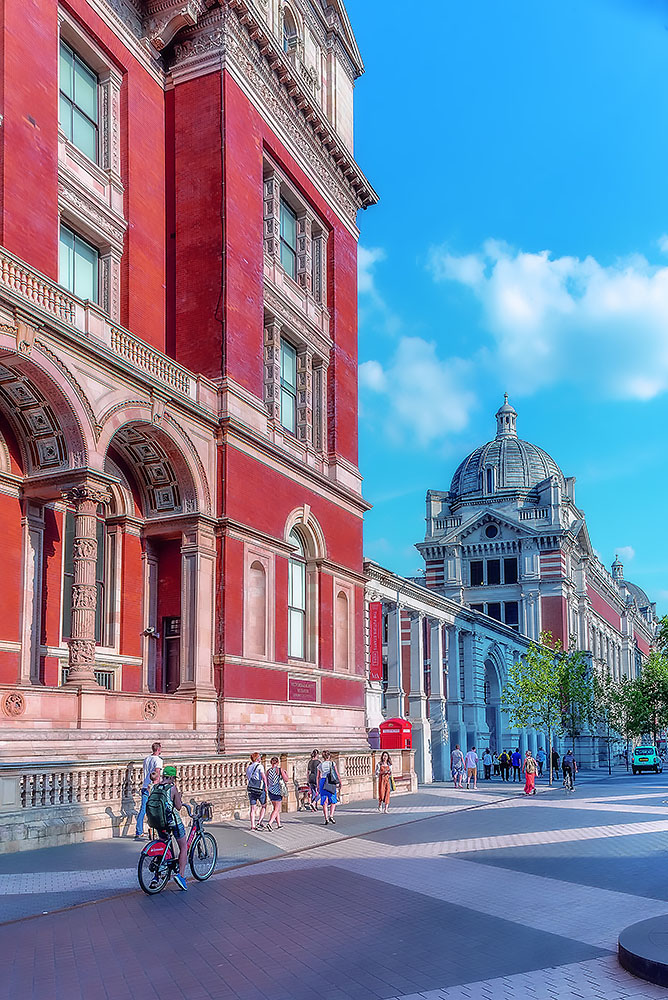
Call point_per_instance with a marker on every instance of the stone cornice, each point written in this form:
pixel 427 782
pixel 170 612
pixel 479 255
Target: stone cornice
pixel 292 464
pixel 235 36
pixel 286 313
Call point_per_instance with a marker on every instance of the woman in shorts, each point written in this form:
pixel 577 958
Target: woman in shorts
pixel 277 781
pixel 257 791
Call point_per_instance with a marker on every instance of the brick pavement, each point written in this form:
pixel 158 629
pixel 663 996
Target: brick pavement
pixel 350 919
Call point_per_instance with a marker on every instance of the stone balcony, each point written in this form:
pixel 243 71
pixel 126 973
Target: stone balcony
pixel 43 302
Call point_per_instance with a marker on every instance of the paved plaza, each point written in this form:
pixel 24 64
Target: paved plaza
pixel 453 895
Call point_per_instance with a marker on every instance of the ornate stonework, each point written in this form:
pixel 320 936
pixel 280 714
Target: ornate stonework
pixel 13 704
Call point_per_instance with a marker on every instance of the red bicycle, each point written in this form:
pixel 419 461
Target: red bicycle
pixel 158 862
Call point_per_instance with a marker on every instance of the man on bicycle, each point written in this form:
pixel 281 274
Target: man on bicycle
pixel 176 829
pixel 569 767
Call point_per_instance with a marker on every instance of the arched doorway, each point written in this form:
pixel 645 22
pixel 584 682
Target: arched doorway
pixel 492 701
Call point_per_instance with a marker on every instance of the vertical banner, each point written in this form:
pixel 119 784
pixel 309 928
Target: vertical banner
pixel 376 641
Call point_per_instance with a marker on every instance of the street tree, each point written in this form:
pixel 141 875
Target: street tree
pixel 535 689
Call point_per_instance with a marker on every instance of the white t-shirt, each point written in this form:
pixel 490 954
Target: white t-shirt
pixel 151 763
pixel 471 759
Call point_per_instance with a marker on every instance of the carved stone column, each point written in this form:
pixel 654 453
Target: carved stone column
pixel 437 705
pixel 272 217
pixel 304 394
pixel 272 369
pixel 417 702
pixel 85 500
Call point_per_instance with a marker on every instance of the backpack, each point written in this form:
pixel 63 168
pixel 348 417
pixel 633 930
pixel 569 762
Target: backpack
pixel 255 782
pixel 159 809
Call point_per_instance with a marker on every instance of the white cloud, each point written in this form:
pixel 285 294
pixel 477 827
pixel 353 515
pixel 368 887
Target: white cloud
pixel 367 258
pixel 662 243
pixel 625 553
pixel 569 319
pixel 372 376
pixel 423 397
pixel 371 301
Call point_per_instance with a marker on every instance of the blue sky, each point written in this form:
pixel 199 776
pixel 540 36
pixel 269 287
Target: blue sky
pixel 520 150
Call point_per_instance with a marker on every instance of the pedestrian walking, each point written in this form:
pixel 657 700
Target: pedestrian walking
pixel 516 761
pixel 472 768
pixel 497 763
pixel 312 778
pixel 529 767
pixel 385 781
pixel 504 764
pixel 257 791
pixel 555 761
pixel 277 787
pixel 329 783
pixel 540 760
pixel 487 764
pixel 152 764
pixel 457 766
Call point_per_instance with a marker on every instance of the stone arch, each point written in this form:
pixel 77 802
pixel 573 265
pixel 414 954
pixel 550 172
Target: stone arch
pixel 51 425
pixel 309 530
pixel 493 685
pixel 168 474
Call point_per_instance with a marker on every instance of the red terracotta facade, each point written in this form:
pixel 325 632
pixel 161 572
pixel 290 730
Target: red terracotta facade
pixel 159 395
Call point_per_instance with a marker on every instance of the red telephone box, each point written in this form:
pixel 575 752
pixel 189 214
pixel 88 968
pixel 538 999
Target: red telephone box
pixel 396 734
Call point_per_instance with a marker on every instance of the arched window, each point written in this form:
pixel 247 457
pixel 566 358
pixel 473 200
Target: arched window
pixel 341 630
pixel 297 597
pixel 289 31
pixel 257 610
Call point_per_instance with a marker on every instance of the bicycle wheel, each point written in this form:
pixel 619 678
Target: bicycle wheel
pixel 203 856
pixel 152 877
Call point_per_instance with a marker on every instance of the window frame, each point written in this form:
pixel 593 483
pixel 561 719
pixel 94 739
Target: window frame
pixel 288 390
pixel 77 238
pixel 285 209
pixel 72 101
pixel 297 613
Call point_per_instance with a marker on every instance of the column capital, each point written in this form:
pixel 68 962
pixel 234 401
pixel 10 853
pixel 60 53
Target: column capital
pixel 86 493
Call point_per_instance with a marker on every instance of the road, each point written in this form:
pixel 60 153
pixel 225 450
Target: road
pixel 454 895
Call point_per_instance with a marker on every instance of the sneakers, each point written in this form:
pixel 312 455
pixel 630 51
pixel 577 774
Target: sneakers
pixel 180 881
pixel 140 836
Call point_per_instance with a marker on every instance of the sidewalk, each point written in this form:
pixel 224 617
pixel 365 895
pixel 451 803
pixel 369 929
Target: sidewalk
pixel 51 878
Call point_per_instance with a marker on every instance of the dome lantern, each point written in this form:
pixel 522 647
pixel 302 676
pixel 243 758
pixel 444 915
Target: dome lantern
pixel 506 420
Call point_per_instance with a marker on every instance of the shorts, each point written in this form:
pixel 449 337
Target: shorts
pixel 259 796
pixel 471 772
pixel 275 798
pixel 177 829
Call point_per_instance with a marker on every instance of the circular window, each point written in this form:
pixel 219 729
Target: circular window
pixel 491 531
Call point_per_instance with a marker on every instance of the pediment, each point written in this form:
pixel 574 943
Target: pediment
pixel 479 522
pixel 337 16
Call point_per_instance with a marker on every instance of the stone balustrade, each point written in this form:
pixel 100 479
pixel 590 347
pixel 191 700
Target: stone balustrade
pixel 47 804
pixel 534 513
pixel 22 285
pixel 37 289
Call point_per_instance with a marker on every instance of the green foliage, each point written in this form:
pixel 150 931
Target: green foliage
pixel 552 688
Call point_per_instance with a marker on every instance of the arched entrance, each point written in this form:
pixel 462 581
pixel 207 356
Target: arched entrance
pixel 492 700
pixel 169 554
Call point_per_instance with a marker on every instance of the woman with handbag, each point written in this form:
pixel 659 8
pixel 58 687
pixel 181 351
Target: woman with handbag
pixel 385 781
pixel 277 783
pixel 328 784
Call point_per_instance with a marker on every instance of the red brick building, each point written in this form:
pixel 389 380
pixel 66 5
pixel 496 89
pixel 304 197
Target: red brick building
pixel 180 501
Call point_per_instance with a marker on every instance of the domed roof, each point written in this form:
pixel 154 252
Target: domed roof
pixel 515 464
pixel 641 597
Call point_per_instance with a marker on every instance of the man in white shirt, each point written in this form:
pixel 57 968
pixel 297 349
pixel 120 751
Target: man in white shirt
pixel 471 762
pixel 152 763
